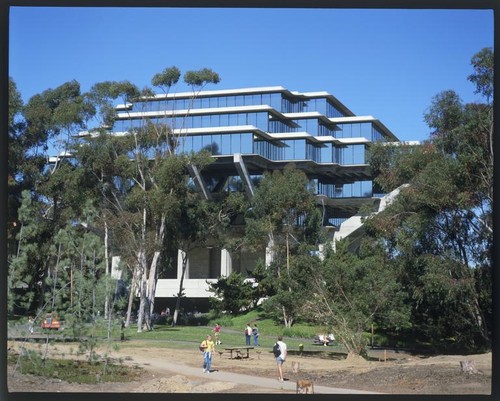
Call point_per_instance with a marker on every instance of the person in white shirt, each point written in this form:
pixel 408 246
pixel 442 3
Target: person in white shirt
pixel 281 357
pixel 248 334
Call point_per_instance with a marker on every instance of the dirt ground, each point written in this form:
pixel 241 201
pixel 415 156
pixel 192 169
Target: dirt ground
pixel 387 372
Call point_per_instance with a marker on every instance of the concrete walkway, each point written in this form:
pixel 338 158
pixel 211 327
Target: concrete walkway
pixel 257 381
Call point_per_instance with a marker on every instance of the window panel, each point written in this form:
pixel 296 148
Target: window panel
pixel 247 143
pixel 197 143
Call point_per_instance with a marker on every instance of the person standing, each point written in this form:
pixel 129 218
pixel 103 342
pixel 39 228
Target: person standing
pixel 208 347
pixel 217 333
pixel 248 334
pixel 255 332
pixel 31 324
pixel 279 351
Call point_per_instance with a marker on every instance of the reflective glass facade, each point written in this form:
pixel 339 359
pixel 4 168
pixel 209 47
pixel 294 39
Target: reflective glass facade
pixel 273 124
pixel 356 130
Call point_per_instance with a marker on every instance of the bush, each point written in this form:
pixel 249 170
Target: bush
pixel 72 371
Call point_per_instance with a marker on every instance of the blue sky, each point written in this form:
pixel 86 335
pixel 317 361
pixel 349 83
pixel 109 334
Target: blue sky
pixel 384 63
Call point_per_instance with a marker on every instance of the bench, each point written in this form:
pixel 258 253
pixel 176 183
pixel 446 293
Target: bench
pixel 238 351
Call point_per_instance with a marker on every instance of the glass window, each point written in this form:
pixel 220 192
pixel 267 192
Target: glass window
pixel 197 143
pixel 332 111
pixel 320 106
pixel 326 154
pixel 337 155
pixel 313 152
pixel 233 119
pixel 217 144
pixel 377 135
pixel 188 144
pixel 358 154
pixel 275 101
pixel 262 121
pixel 247 143
pixel 226 148
pixel 366 130
pixel 353 154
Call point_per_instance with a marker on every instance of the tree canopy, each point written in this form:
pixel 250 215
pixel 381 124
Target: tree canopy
pixel 424 268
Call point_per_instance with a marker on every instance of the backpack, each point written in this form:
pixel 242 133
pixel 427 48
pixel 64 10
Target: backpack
pixel 203 346
pixel 276 350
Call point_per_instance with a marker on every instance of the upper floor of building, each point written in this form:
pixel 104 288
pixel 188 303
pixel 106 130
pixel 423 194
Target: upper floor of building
pixel 272 122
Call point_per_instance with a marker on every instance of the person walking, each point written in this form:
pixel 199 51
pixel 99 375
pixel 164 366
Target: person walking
pixel 279 351
pixel 217 333
pixel 248 334
pixel 255 332
pixel 208 347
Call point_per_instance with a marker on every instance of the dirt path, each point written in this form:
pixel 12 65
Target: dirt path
pixel 173 370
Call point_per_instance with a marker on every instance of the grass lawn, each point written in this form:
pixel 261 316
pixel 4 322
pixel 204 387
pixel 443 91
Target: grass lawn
pixel 188 337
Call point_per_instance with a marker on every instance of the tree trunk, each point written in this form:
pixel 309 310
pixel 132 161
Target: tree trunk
pixel 143 307
pixel 142 291
pixel 108 270
pixel 141 315
pixel 151 283
pixel 131 295
pixel 153 275
pixel 181 283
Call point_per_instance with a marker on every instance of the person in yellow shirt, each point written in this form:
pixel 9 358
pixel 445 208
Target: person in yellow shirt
pixel 208 348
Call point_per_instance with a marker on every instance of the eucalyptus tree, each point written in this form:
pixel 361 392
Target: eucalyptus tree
pixel 56 115
pixel 42 122
pixel 348 292
pixel 124 168
pixel 173 188
pixel 282 211
pixel 141 176
pixel 440 227
pixel 98 158
pixel 197 80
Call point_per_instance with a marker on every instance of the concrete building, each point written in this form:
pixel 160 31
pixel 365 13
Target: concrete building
pixel 253 130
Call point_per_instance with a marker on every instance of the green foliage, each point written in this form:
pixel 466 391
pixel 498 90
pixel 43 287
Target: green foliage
pixel 201 78
pixel 482 78
pixel 284 213
pixel 73 371
pixel 349 292
pixel 56 109
pixel 167 78
pixel 232 294
pixel 439 230
pixel 429 264
pixel 102 95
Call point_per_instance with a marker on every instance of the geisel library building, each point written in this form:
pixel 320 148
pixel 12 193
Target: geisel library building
pixel 253 130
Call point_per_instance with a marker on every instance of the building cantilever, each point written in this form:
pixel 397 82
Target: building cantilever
pixel 249 131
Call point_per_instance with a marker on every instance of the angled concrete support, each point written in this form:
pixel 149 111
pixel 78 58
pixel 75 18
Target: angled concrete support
pixel 242 171
pixel 199 181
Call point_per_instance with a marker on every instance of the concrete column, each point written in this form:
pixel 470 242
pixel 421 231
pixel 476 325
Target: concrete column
pixel 225 263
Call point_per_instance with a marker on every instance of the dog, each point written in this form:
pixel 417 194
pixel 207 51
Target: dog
pixel 305 387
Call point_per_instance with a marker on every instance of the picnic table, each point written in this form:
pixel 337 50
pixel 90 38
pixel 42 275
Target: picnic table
pixel 238 351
